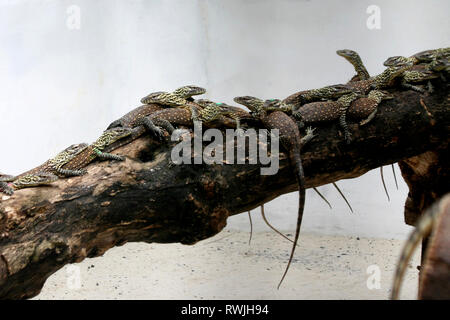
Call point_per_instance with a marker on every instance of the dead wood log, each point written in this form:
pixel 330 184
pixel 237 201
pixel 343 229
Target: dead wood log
pixel 146 199
pixel 435 271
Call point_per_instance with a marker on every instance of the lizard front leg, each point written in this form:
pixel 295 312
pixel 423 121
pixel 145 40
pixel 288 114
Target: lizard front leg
pixel 151 127
pixel 69 172
pixel 309 136
pixel 108 156
pixel 410 86
pixel 195 115
pixel 345 102
pixel 165 124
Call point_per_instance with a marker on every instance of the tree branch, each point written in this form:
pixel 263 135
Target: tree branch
pixel 146 199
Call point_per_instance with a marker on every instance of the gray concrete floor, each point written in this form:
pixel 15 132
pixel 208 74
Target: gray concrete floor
pixel 227 267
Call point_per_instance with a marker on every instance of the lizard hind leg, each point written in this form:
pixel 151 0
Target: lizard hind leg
pixel 69 172
pixel 108 156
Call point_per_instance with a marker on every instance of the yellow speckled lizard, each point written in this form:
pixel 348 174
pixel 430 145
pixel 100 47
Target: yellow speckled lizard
pixel 420 72
pixel 69 162
pixel 177 98
pixel 277 105
pixel 354 58
pixel 326 93
pixel 45 173
pixel 95 150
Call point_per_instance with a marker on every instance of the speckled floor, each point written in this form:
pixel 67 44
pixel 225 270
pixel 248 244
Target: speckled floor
pixel 227 267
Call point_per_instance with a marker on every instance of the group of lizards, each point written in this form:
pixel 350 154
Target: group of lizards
pixel 163 111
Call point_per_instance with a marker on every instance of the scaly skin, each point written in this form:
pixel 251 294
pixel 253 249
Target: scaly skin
pixel 395 60
pixel 173 116
pixel 33 180
pixel 429 55
pixel 46 173
pixel 291 141
pixel 213 111
pixel 177 98
pixel 327 111
pixel 138 117
pixel 133 118
pixel 366 107
pixel 271 105
pixel 94 150
pixel 354 58
pixel 383 80
pixel 419 72
pixel 420 57
pixel 188 91
pixel 329 92
pixel 211 116
pixel 180 98
pixel 152 116
pixel 423 228
pixel 69 162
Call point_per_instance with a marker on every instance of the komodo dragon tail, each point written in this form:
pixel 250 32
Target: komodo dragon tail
pixel 298 168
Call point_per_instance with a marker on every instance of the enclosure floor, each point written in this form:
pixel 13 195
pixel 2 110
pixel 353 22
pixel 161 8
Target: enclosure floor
pixel 227 267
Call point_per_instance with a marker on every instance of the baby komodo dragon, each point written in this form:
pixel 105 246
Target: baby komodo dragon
pixel 46 173
pixel 69 162
pixel 290 139
pixel 365 107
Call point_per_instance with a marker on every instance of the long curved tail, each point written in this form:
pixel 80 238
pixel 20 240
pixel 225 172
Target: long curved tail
pixel 342 195
pixel 297 163
pixel 263 214
pixel 384 183
pixel 423 228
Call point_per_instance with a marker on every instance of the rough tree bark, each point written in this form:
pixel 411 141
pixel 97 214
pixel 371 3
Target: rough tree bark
pixel 435 271
pixel 146 199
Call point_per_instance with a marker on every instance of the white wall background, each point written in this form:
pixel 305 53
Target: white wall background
pixel 60 86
